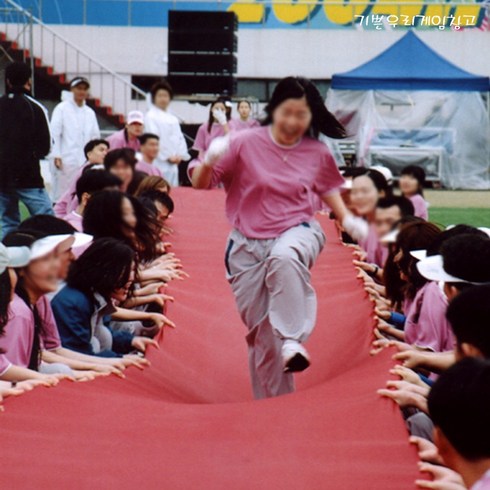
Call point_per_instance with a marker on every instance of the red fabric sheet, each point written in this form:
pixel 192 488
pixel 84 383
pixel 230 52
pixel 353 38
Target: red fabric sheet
pixel 190 422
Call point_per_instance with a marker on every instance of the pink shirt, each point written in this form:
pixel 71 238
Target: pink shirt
pixel 204 137
pixel 377 253
pixel 4 364
pixel 68 202
pixel 75 220
pixel 421 206
pixel 483 483
pixel 271 188
pixel 118 140
pixel 19 331
pixel 426 325
pixel 148 168
pixel 239 125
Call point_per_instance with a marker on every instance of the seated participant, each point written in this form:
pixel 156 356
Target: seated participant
pixel 95 152
pixel 244 121
pixel 128 137
pixel 122 163
pixel 412 180
pixel 459 403
pixel 89 183
pixel 389 210
pixel 104 273
pixel 15 379
pixel 150 146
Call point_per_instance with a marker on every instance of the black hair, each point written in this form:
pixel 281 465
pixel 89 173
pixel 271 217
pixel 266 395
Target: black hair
pixel 459 404
pixel 322 120
pixel 92 144
pixel 147 136
pixel 246 102
pixel 352 171
pixel 161 85
pixel 417 173
pixel 95 180
pixel 17 74
pixel 414 236
pixel 103 218
pixel 468 314
pixel 125 154
pixel 467 257
pixel 379 181
pixel 105 266
pixel 391 273
pixel 5 294
pixel 47 225
pixel 161 197
pixel 404 205
pixel 435 247
pixel 224 100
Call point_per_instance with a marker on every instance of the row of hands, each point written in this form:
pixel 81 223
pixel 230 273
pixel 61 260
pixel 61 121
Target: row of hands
pixel 408 390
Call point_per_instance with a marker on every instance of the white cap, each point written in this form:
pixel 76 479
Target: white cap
pixel 347 185
pixel 387 173
pixel 46 245
pixel 485 230
pixel 81 239
pixel 432 268
pixel 390 237
pixel 419 254
pixel 13 257
pixel 135 117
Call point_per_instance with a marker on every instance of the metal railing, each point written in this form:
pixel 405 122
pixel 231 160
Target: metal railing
pixel 111 88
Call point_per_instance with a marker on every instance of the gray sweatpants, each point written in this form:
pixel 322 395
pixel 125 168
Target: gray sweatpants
pixel 271 283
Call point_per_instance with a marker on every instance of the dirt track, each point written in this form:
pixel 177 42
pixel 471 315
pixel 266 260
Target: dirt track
pixel 458 199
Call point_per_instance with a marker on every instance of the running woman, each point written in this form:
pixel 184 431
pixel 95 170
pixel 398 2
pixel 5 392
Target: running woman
pixel 274 177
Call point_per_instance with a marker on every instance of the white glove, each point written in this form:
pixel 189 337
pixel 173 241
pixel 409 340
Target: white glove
pixel 220 116
pixel 218 147
pixel 356 227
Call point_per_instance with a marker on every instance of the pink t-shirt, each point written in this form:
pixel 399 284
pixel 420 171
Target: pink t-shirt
pixel 377 253
pixel 68 202
pixel 19 331
pixel 75 220
pixel 4 364
pixel 118 140
pixel 426 325
pixel 483 483
pixel 204 137
pixel 148 168
pixel 421 206
pixel 271 188
pixel 239 125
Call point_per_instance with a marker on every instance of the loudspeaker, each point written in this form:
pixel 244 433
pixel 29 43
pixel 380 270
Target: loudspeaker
pixel 201 47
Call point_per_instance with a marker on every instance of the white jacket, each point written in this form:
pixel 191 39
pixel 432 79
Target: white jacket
pixel 72 127
pixel 166 126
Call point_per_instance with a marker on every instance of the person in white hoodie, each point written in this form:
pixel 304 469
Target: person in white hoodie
pixel 173 148
pixel 73 124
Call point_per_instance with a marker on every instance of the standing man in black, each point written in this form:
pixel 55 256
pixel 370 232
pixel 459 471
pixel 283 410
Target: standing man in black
pixel 24 140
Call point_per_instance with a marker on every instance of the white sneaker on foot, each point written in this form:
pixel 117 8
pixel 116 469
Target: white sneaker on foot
pixel 294 356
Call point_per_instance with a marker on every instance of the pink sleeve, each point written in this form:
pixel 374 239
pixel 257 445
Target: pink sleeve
pixel 65 204
pixel 433 329
pixel 200 141
pixel 420 205
pixel 4 364
pixel 329 179
pixel 50 337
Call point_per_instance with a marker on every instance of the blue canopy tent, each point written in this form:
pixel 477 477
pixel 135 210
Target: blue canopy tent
pixel 409 105
pixel 410 64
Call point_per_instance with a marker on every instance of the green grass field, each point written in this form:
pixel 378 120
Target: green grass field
pixel 456 216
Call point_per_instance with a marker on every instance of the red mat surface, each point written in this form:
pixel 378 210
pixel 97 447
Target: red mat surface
pixel 189 421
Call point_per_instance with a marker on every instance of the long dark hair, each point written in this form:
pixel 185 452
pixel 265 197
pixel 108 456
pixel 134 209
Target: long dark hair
pixel 5 293
pixel 103 218
pixel 414 236
pixel 223 100
pixel 104 267
pixel 322 120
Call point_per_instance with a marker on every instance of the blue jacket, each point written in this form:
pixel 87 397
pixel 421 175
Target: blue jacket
pixel 75 314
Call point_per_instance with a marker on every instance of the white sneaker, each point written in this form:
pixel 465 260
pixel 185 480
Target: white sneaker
pixel 294 356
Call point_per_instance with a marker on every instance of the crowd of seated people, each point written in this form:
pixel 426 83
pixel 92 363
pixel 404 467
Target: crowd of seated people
pixel 430 289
